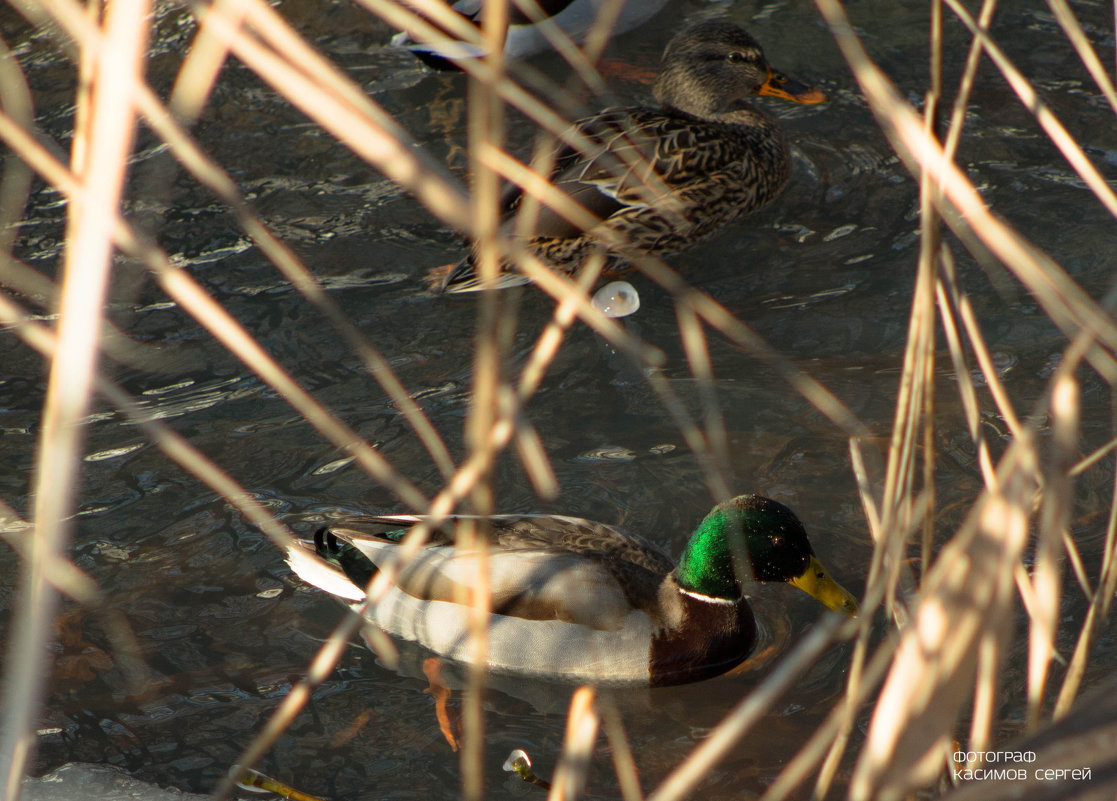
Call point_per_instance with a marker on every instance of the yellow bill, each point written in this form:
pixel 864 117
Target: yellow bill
pixel 816 582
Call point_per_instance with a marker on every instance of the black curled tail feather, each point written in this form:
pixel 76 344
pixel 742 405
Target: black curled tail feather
pixel 452 279
pixel 461 277
pixel 357 567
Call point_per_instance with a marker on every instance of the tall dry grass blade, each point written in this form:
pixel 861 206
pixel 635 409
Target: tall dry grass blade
pixel 1096 456
pixel 834 730
pixel 949 300
pixel 624 763
pixel 15 184
pixel 88 261
pixel 322 92
pixel 485 131
pixel 1062 299
pixel 698 357
pixel 989 371
pixel 1096 614
pixel 1054 522
pixel 165 438
pixel 317 672
pixel 283 257
pixel 75 583
pixel 1077 37
pixel 39 289
pixel 1076 562
pixel 200 69
pixel 966 594
pixel 530 448
pixel 990 649
pixel 930 246
pixel 577 747
pixel 547 345
pixel 912 402
pixel 57 570
pixel 966 82
pixel 684 779
pixel 190 295
pixel 1051 125
pixel 882 581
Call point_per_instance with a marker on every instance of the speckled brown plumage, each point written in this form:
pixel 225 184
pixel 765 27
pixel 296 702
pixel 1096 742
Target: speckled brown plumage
pixel 660 179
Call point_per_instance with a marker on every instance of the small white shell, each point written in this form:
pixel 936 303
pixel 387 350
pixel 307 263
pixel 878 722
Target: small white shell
pixel 518 756
pixel 617 299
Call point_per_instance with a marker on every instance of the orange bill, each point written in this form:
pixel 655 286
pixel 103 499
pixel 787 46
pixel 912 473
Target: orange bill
pixel 779 85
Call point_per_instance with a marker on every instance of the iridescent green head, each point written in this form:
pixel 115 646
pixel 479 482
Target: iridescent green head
pixel 753 538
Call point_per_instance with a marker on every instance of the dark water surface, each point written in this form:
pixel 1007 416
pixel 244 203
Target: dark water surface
pixel 825 274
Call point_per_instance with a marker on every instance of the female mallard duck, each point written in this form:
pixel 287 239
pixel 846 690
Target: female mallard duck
pixel 525 34
pixel 706 157
pixel 582 601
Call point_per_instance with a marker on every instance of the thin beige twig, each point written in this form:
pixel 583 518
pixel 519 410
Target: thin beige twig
pixel 88 262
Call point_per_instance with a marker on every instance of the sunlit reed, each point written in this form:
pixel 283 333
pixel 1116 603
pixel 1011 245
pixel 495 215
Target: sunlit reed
pixel 948 621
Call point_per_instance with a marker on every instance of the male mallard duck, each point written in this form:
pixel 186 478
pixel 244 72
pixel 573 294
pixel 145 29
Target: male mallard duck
pixel 708 157
pixel 575 18
pixel 583 601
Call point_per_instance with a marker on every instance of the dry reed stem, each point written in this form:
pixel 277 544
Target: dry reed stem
pixel 57 570
pixel 190 295
pixel 929 678
pixel 915 387
pixel 497 417
pixel 949 299
pixel 1054 522
pixel 115 344
pixel 202 65
pixel 1063 300
pixel 832 736
pixel 582 723
pixel 966 593
pixel 1047 120
pixel 682 781
pixel 317 672
pixel 624 764
pixel 1077 37
pixel 1096 614
pixel 485 130
pixel 107 140
pixel 15 184
pixel 966 83
pixel 283 257
pixel 162 436
pixel 73 582
pixel 698 358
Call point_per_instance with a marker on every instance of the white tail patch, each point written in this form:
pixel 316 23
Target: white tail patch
pixel 313 570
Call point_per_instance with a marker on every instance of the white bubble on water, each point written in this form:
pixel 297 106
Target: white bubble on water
pixel 617 299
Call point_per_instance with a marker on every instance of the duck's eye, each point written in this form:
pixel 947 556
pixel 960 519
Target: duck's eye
pixel 736 58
